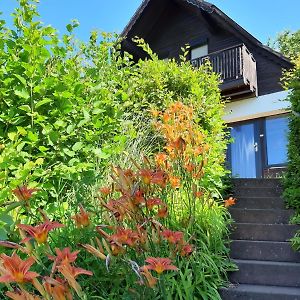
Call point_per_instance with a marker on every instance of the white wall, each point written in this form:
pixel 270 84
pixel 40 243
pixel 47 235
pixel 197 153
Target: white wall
pixel 262 106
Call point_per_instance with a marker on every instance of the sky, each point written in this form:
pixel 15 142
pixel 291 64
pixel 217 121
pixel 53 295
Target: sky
pixel 262 18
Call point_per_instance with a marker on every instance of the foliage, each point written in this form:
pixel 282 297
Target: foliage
pixel 158 83
pixel 140 245
pixel 67 110
pixel 64 102
pixel 61 103
pixel 288 43
pixel 292 178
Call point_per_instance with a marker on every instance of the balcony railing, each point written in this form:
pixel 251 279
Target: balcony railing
pixel 236 67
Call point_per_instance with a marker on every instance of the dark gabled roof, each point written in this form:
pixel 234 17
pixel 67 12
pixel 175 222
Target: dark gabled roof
pixel 214 11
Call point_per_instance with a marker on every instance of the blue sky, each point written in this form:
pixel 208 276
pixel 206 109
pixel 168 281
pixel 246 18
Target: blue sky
pixel 262 18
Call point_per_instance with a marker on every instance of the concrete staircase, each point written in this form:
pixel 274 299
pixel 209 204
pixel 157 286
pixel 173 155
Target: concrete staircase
pixel 268 268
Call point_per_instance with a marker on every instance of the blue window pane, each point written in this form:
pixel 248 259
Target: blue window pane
pixel 276 131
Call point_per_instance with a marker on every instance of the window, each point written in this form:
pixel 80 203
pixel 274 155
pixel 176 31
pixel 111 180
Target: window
pixel 276 133
pixel 199 51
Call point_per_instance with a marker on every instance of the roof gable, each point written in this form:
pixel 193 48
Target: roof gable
pixel 213 12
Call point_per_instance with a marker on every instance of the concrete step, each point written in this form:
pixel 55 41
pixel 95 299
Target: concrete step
pixel 256 182
pixel 259 203
pixel 263 232
pixel 265 216
pixel 257 192
pixel 259 292
pixel 263 250
pixel 266 273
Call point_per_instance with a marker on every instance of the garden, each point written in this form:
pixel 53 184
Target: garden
pixel 110 171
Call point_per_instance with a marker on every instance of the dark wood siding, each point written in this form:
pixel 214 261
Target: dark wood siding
pixel 167 26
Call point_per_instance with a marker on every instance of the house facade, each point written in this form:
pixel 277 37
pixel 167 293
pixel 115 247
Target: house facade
pixel 250 73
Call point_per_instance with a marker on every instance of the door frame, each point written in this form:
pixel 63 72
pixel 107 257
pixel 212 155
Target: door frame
pixel 260 137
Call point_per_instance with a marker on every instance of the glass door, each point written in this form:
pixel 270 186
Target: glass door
pixel 243 151
pixel 276 129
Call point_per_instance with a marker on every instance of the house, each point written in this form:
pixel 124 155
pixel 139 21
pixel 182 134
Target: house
pixel 250 75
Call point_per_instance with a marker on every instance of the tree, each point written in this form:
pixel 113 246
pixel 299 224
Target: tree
pixel 288 43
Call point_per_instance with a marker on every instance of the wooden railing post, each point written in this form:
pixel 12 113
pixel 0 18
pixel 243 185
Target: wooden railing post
pixel 232 64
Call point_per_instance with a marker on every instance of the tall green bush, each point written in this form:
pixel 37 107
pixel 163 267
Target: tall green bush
pixel 68 109
pixel 61 103
pixel 158 83
pixel 292 179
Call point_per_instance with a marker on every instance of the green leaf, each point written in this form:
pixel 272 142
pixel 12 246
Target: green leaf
pixel 21 130
pixel 12 135
pixel 33 137
pixel 100 154
pixel 22 79
pixel 22 94
pixel 69 152
pixel 43 148
pixel 3 234
pixel 77 146
pixel 43 102
pixel 59 123
pixel 69 27
pixel 7 219
pixel 25 108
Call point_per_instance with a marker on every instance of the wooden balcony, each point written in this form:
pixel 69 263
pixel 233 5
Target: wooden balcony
pixel 237 69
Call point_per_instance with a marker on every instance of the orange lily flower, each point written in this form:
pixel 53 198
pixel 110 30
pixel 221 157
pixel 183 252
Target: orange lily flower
pixel 173 237
pixel 161 159
pixel 229 202
pixel 57 288
pixel 198 194
pixel 94 251
pixel 162 212
pixel 159 177
pixel 129 173
pixel 159 265
pixel 117 209
pixel 39 232
pixel 179 144
pixel 174 181
pixel 198 150
pixel 138 197
pixel 166 117
pixel 82 219
pixel 14 269
pixel 125 236
pixel 116 248
pixel 146 176
pixel 189 167
pixel 186 250
pixel 155 113
pixel 70 273
pixel 21 295
pixel 8 244
pixel 63 256
pixel 23 193
pixel 150 203
pixel 151 281
pixel 105 191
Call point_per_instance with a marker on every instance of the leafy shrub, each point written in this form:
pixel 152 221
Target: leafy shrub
pixel 61 103
pixel 64 103
pixel 157 84
pixel 67 110
pixel 292 178
pixel 157 215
